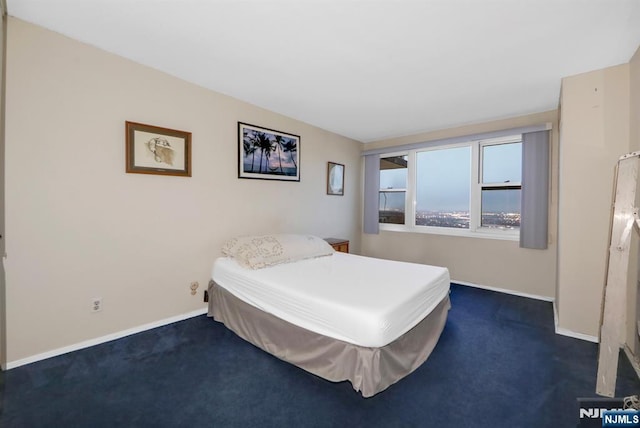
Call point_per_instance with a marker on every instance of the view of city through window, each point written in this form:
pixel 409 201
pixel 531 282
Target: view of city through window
pixel 443 188
pixel 455 219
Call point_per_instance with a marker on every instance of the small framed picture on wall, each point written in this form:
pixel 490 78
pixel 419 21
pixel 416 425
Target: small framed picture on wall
pixel 155 150
pixel 335 179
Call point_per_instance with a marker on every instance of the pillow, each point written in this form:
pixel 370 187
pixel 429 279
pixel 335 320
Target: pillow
pixel 256 252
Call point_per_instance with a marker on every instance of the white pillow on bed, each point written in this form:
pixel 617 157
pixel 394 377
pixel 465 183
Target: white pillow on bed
pixel 256 252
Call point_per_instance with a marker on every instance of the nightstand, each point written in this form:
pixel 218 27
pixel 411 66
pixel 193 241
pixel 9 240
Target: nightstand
pixel 339 244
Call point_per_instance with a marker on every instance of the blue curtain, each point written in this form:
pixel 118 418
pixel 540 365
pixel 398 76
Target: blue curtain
pixel 534 210
pixel 371 194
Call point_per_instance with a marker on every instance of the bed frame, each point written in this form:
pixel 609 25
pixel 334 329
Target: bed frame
pixel 370 370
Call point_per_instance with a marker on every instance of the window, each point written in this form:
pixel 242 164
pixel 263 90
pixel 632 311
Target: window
pixel 501 167
pixel 443 187
pixel 393 189
pixel 471 188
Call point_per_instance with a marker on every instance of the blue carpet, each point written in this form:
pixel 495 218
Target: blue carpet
pixel 498 364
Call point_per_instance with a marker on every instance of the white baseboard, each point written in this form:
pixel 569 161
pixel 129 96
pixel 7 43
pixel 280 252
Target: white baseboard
pixel 569 333
pixel 98 340
pixel 564 332
pixel 505 291
pixel 118 335
pixel 558 330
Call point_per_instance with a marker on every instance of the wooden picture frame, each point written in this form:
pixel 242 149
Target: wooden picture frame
pixel 335 179
pixel 155 150
pixel 267 154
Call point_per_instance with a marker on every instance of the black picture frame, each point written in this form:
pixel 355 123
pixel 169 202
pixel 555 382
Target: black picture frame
pixel 335 179
pixel 267 154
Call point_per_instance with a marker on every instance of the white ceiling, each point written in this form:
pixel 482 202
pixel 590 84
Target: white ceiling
pixel 364 69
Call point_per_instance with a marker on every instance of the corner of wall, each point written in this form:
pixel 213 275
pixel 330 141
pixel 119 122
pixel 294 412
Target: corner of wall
pixel 594 134
pixel 3 291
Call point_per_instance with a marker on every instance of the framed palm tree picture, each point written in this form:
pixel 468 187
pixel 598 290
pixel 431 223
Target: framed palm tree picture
pixel 267 154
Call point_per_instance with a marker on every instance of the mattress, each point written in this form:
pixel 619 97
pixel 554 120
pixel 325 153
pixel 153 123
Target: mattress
pixel 360 300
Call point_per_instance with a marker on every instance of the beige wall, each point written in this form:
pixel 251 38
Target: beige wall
pixel 488 262
pixel 3 323
pixel 634 141
pixel 594 133
pixel 79 227
pixel 634 101
pixel 634 90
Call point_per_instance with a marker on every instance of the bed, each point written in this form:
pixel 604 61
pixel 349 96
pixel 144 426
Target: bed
pixel 339 316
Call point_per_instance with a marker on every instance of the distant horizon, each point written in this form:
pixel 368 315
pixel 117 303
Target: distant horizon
pixel 455 219
pixel 450 211
pixel 495 202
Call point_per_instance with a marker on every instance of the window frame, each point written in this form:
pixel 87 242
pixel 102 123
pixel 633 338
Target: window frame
pixel 488 186
pixel 475 193
pixel 397 190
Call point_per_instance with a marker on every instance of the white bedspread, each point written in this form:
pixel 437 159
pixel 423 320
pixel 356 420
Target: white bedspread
pixel 360 300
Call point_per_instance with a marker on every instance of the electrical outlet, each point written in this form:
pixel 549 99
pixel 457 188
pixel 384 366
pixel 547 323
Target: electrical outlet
pixel 194 286
pixel 96 304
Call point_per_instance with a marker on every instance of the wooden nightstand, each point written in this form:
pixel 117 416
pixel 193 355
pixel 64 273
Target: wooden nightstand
pixel 338 244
